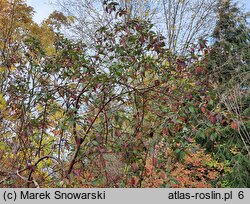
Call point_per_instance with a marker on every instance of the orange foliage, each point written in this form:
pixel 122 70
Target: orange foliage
pixel 194 171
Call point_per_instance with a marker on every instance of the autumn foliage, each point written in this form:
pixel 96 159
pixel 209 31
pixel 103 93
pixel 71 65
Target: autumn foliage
pixel 124 112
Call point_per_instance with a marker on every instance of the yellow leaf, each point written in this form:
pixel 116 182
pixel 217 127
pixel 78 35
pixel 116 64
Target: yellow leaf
pixel 3 103
pixel 50 50
pixel 2 69
pixel 173 72
pixel 167 63
pixel 12 68
pixel 40 108
pixel 71 19
pixel 58 115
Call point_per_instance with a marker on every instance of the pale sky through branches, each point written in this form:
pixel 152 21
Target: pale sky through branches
pixel 43 8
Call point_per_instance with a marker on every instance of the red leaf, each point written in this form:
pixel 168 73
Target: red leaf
pixel 200 70
pixel 139 135
pixel 77 172
pixel 123 41
pixel 90 120
pixel 154 161
pixel 135 166
pixel 165 131
pixel 235 125
pixel 203 109
pixel 212 118
pixel 118 133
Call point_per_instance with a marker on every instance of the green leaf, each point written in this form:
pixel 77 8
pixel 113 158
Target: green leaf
pixel 191 109
pixel 95 143
pixel 176 151
pixel 182 155
pixel 116 117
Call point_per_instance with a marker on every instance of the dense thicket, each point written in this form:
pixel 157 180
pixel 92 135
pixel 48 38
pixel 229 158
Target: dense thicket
pixel 124 111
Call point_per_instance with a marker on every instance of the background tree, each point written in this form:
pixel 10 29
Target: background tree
pixel 229 57
pixel 228 64
pixel 187 20
pixel 90 15
pixel 23 91
pixel 181 22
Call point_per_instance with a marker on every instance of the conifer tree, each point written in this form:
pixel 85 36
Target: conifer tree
pixel 229 58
